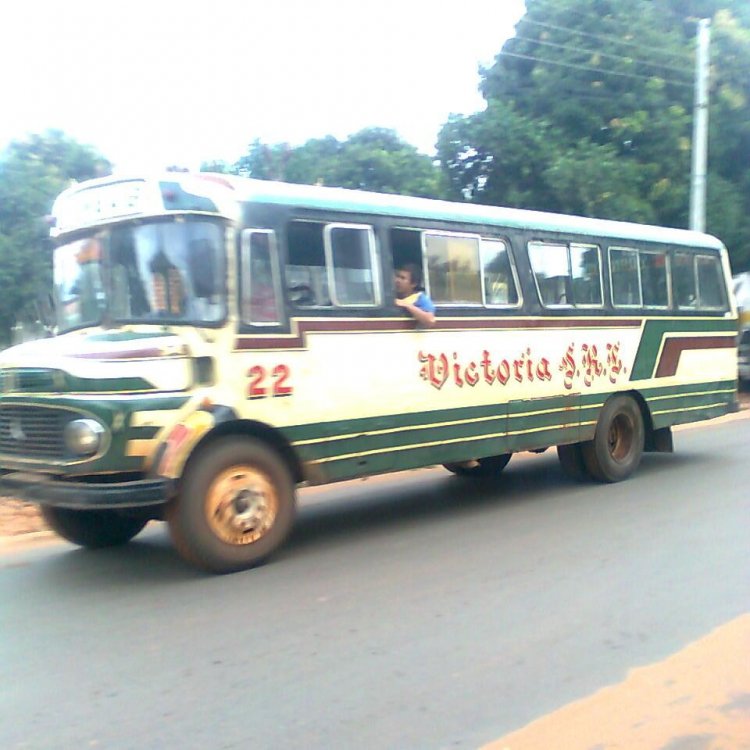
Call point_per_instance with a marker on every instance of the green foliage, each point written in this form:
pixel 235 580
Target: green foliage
pixel 32 173
pixel 593 180
pixel 498 157
pixel 373 159
pixel 589 111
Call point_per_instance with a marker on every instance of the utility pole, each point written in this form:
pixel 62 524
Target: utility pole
pixel 700 128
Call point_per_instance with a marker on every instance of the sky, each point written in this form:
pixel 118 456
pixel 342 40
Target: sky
pixel 157 83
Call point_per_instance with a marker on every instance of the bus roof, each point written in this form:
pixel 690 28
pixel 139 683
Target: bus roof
pixel 226 189
pixel 386 204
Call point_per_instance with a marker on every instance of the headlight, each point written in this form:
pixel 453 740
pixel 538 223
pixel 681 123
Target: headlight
pixel 83 436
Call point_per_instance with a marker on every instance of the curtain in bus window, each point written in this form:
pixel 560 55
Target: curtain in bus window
pixel 453 269
pixel 710 283
pixel 654 279
pixel 259 303
pixel 129 298
pixel 499 284
pixel 550 266
pixel 626 289
pixel 586 275
pixel 351 252
pixel 683 280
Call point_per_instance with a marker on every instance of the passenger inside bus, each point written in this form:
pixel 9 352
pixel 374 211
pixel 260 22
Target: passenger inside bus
pixel 128 293
pixel 411 297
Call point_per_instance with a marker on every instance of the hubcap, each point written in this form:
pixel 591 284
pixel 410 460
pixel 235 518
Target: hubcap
pixel 620 438
pixel 241 505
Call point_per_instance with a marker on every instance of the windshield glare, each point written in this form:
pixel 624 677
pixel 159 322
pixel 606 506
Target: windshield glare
pixel 166 271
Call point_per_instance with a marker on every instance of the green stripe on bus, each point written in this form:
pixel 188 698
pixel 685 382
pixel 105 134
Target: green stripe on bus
pixel 108 385
pixel 653 334
pixel 389 424
pixel 525 426
pixel 127 335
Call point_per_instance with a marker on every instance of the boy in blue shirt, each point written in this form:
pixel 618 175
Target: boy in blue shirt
pixel 411 297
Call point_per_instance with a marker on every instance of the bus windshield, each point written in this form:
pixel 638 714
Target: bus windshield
pixel 170 271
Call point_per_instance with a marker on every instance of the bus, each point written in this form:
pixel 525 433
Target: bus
pixel 221 341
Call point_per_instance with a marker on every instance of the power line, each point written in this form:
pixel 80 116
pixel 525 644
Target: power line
pixel 578 91
pixel 594 70
pixel 601 54
pixel 601 37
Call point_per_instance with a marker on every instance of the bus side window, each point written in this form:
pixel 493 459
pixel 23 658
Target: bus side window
pixel 306 272
pixel 586 273
pixel 710 283
pixel 500 287
pixel 549 263
pixel 350 251
pixel 406 247
pixel 654 279
pixel 453 268
pixel 259 288
pixel 683 280
pixel 625 276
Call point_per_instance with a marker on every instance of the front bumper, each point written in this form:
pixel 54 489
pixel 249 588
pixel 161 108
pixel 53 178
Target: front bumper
pixel 47 490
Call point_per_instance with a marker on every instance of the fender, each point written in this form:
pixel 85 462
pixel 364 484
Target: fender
pixel 173 453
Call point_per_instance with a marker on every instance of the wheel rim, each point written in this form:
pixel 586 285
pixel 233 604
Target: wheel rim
pixel 241 505
pixel 620 437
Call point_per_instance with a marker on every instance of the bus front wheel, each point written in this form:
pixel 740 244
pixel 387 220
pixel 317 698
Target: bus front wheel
pixel 616 450
pixel 236 506
pixel 92 528
pixel 483 468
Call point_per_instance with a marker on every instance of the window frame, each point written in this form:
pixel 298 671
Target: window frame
pixel 549 243
pixel 716 261
pixel 328 228
pixel 425 266
pixel 634 250
pixel 588 246
pixel 568 245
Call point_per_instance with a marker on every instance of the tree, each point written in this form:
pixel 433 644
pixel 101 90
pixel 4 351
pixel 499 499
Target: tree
pixel 372 159
pixel 32 173
pixel 589 110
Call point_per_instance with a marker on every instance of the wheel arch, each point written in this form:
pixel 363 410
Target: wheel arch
pixel 271 436
pixel 655 440
pixel 648 422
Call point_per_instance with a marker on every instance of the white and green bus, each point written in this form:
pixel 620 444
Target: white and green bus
pixel 221 341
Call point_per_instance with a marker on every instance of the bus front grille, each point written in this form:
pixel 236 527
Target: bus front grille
pixel 34 432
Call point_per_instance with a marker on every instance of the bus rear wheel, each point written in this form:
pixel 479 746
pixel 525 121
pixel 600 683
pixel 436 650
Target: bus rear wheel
pixel 616 450
pixel 236 506
pixel 483 468
pixel 92 528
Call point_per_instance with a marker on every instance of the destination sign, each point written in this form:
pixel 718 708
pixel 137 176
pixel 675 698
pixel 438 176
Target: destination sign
pixel 102 203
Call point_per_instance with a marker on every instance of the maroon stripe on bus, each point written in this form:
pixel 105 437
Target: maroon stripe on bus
pixel 369 325
pixel 123 354
pixel 674 346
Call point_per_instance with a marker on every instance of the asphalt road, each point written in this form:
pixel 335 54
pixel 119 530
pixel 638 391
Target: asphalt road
pixel 411 611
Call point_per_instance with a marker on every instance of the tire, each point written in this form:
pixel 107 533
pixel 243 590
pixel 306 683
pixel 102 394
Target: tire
pixel 92 528
pixel 616 450
pixel 485 468
pixel 236 506
pixel 572 462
